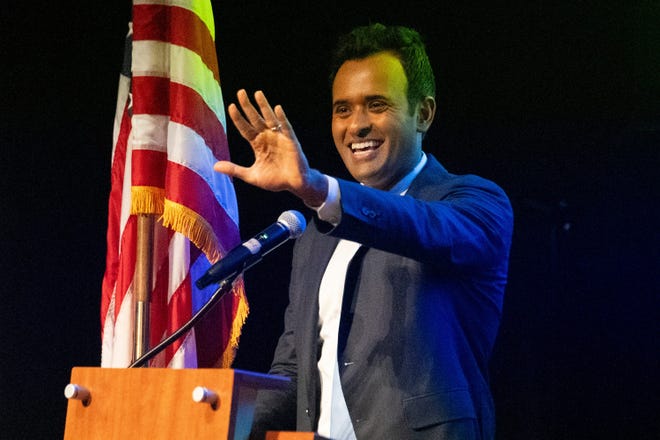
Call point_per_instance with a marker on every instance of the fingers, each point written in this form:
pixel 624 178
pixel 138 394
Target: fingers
pixel 266 110
pixel 287 129
pixel 230 169
pixel 242 125
pixel 252 121
pixel 251 113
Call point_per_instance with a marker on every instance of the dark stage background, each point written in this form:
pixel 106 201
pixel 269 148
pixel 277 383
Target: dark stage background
pixel 558 102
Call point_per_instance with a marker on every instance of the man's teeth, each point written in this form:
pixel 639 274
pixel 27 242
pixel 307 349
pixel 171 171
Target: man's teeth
pixel 362 146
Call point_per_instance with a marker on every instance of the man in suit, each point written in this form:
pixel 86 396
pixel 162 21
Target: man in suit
pixel 397 284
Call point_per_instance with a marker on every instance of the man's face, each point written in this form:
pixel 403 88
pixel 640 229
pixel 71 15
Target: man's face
pixel 373 129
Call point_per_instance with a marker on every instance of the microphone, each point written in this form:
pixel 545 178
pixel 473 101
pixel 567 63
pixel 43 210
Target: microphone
pixel 290 224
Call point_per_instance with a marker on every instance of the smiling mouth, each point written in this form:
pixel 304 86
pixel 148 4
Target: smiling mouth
pixel 359 147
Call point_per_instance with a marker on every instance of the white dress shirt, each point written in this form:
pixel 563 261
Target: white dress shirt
pixel 334 420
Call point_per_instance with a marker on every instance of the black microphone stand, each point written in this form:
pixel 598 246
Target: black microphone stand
pixel 223 287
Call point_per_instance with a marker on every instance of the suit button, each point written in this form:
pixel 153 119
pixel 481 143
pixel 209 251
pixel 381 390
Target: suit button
pixel 369 212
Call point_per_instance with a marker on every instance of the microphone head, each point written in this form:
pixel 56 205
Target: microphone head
pixel 294 222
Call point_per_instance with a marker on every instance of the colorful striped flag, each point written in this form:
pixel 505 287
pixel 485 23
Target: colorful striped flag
pixel 169 131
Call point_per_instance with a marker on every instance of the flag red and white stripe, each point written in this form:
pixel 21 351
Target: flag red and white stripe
pixel 169 131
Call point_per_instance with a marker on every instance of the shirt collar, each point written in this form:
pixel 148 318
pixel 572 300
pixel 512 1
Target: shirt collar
pixel 401 187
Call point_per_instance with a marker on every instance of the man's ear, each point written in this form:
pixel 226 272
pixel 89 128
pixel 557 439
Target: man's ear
pixel 425 114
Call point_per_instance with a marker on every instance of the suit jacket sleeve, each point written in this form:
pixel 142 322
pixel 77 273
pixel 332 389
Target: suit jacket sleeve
pixel 461 221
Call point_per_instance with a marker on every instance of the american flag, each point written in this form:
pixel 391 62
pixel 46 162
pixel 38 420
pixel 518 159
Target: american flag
pixel 169 131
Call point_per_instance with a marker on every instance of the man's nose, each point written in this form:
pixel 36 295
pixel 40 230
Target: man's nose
pixel 360 124
pixel 364 131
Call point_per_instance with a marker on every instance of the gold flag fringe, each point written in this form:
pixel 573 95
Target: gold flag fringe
pixel 186 221
pixel 147 200
pixel 242 312
pixel 151 200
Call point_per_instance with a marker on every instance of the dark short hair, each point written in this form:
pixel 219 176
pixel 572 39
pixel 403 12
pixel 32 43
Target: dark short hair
pixel 405 43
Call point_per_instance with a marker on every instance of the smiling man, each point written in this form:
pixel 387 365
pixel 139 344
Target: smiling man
pixel 378 133
pixel 397 284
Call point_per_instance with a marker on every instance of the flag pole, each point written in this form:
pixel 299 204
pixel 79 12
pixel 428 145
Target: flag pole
pixel 143 283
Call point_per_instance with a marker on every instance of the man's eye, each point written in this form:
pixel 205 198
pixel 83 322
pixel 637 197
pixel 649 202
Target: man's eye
pixel 377 106
pixel 341 110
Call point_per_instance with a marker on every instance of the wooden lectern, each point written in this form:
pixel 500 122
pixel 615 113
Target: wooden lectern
pixel 160 403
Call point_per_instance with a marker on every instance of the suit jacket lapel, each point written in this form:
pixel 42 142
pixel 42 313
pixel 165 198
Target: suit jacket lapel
pixel 317 248
pixel 431 175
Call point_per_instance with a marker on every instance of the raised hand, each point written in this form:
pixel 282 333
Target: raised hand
pixel 279 163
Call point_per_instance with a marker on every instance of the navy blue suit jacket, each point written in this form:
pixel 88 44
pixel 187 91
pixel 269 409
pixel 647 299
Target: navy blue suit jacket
pixel 426 311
